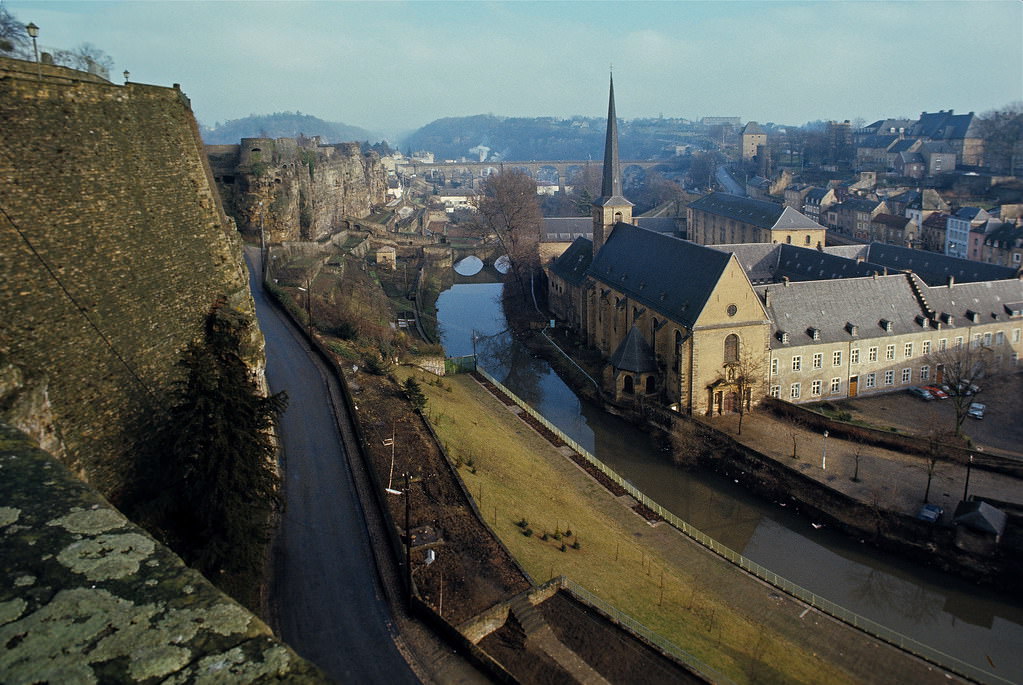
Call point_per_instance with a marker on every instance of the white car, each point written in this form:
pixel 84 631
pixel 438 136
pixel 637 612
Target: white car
pixel 976 410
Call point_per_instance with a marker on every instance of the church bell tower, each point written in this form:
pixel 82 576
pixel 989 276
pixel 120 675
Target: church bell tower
pixel 611 207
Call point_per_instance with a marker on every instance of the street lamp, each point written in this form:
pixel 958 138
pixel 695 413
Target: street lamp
pixel 127 75
pixel 966 488
pixel 824 453
pixel 33 32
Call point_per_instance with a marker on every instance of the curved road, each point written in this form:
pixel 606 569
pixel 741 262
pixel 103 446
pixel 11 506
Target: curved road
pixel 325 595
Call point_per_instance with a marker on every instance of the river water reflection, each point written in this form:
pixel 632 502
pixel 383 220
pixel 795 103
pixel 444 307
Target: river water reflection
pixel 969 623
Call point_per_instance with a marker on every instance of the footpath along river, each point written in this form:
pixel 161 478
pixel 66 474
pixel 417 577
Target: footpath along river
pixel 965 621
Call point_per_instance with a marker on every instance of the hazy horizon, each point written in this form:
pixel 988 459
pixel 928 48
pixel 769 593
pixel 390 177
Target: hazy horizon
pixel 392 67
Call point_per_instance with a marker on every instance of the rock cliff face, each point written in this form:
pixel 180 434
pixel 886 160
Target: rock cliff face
pixel 115 246
pixel 296 189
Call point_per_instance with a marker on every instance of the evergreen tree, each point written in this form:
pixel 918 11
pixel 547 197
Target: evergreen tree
pixel 219 475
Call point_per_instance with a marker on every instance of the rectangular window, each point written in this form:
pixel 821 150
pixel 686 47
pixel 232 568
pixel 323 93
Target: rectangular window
pixel 794 391
pixel 925 373
pixel 975 343
pixel 908 350
pixel 1000 338
pixel 907 375
pixel 797 363
pixel 958 341
pixel 1015 358
pixel 776 391
pixel 889 352
pixel 836 358
pixel 872 354
pixel 815 388
pixel 925 347
pixel 1015 335
pixel 987 339
pixel 818 360
pixel 774 366
pixel 854 355
pixel 871 380
pixel 889 377
pixel 836 386
pixel 942 345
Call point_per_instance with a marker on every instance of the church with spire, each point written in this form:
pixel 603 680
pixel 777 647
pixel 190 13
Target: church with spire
pixel 673 320
pixel 682 325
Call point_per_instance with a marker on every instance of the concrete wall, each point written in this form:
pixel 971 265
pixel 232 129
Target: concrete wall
pixel 115 248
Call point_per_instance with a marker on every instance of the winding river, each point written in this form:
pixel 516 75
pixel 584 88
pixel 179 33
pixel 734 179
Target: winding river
pixel 970 623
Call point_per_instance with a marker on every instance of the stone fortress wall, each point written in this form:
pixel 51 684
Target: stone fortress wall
pixel 115 245
pixel 296 188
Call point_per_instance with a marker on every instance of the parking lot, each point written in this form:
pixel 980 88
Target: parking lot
pixel 1001 428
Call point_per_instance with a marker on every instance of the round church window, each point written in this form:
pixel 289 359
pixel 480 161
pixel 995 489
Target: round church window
pixel 732 309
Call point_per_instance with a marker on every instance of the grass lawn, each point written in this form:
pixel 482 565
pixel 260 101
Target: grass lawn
pixel 729 621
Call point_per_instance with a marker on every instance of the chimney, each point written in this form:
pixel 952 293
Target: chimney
pixel 785 280
pixel 767 297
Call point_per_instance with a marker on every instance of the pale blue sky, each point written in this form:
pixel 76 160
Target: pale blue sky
pixel 390 66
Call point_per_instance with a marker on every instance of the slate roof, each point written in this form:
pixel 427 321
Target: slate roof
pixel 747 210
pixel 902 145
pixel 892 220
pixel 972 213
pixel 571 265
pixel 647 267
pixel 935 268
pixel 942 125
pixel 753 129
pixel 1006 235
pixel 878 141
pixel 634 354
pixel 980 516
pixel 566 227
pixel 856 204
pixel 816 195
pixel 992 300
pixel 658 224
pixel 758 260
pixel 611 179
pixel 829 306
pixel 791 219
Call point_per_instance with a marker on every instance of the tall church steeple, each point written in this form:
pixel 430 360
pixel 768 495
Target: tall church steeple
pixel 611 207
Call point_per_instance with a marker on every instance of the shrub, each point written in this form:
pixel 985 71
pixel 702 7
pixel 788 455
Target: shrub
pixel 415 395
pixel 522 523
pixel 528 532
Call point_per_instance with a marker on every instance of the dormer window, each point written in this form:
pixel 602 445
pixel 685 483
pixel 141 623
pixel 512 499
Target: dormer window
pixel 886 325
pixel 852 328
pixel 815 333
pixel 784 337
pixel 973 316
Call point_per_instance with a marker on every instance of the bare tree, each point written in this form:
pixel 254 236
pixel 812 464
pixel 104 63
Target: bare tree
pixel 14 40
pixel 687 446
pixel 747 376
pixel 1002 132
pixel 961 367
pixel 509 210
pixel 935 452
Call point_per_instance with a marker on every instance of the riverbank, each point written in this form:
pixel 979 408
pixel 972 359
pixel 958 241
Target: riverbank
pixel 878 507
pixel 711 608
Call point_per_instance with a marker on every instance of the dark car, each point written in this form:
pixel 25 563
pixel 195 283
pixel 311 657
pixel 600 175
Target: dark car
pixel 922 393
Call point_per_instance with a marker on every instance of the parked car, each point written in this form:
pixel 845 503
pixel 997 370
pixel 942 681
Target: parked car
pixel 976 410
pixel 936 392
pixel 930 513
pixel 922 393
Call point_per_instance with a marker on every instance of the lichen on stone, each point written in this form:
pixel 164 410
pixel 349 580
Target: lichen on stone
pixel 157 661
pixel 9 515
pixel 90 521
pixel 227 619
pixel 108 556
pixel 12 609
pixel 25 580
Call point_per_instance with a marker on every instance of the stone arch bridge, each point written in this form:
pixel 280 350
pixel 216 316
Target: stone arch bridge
pixel 558 172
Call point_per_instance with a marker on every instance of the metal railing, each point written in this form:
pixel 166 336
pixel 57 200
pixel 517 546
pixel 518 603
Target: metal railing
pixel 822 604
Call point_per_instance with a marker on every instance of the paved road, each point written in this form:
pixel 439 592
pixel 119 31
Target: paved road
pixel 729 184
pixel 325 597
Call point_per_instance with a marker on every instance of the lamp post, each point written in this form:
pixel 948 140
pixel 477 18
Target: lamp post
pixel 966 487
pixel 33 32
pixel 824 453
pixel 127 75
